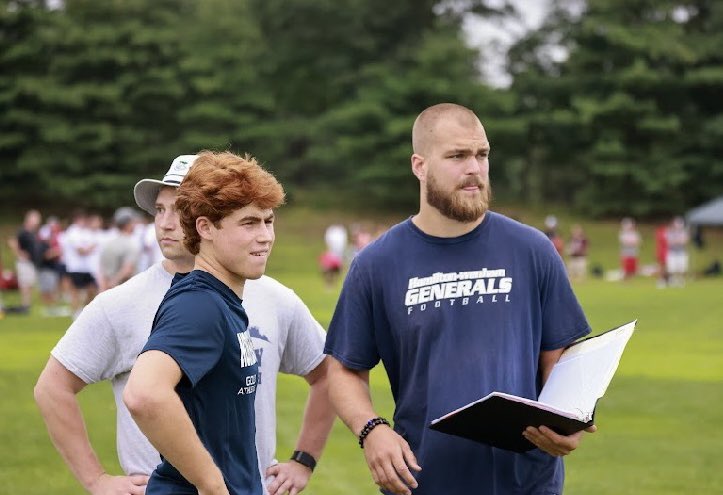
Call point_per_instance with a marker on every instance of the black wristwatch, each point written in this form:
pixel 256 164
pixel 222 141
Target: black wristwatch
pixel 304 458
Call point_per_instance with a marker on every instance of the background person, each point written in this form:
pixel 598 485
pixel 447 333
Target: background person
pixel 51 268
pixel 335 238
pixel 79 244
pixel 26 247
pixel 630 241
pixel 100 235
pixel 361 237
pixel 150 250
pixel 456 302
pixel 661 255
pixel 119 254
pixel 577 253
pixel 676 260
pixel 552 233
pixel 331 261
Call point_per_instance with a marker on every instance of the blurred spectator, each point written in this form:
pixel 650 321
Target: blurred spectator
pixel 26 247
pixel 697 237
pixel 119 254
pixel 50 267
pixel 661 254
pixel 577 253
pixel 79 245
pixel 331 260
pixel 676 260
pixel 552 234
pixel 361 237
pixel 100 235
pixel 331 266
pixel 630 241
pixel 335 239
pixel 151 254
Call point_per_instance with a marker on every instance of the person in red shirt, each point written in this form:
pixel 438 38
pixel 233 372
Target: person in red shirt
pixel 661 253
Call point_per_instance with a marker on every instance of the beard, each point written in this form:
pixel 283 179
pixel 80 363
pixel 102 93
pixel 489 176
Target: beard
pixel 456 205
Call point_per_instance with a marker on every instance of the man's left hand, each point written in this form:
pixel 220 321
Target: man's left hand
pixel 291 478
pixel 558 445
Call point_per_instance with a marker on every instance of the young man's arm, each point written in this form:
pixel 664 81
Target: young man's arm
pixel 388 455
pixel 55 394
pixel 152 400
pixel 291 476
pixel 543 437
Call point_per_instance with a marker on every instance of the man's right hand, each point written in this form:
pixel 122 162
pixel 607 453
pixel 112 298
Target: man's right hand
pixel 389 458
pixel 119 485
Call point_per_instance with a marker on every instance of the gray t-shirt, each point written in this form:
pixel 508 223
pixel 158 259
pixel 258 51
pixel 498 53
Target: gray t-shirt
pixel 103 343
pixel 118 251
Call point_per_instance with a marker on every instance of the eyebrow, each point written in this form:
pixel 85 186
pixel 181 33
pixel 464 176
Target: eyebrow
pixel 464 150
pixel 257 218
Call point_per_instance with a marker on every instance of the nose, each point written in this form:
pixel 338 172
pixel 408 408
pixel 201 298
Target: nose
pixel 168 220
pixel 476 165
pixel 266 233
pixel 471 166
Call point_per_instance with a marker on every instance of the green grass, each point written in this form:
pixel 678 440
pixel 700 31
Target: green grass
pixel 659 422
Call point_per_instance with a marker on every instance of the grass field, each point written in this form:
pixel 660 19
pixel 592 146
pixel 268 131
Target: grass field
pixel 659 422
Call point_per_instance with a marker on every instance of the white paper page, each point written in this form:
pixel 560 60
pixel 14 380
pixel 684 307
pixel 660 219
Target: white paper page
pixel 584 372
pixel 537 404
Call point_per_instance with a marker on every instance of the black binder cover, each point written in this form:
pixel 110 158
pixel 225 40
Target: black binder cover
pixel 499 419
pixel 481 422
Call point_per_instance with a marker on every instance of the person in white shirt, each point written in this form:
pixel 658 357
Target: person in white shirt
pixel 104 341
pixel 151 252
pixel 335 238
pixel 676 259
pixel 80 245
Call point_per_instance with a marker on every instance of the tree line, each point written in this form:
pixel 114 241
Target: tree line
pixel 614 107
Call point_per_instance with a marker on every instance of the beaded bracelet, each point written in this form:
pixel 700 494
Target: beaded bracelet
pixel 371 424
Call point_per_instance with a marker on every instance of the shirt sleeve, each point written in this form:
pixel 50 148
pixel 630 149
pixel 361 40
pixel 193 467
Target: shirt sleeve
pixel 89 349
pixel 189 327
pixel 351 336
pixel 304 348
pixel 563 320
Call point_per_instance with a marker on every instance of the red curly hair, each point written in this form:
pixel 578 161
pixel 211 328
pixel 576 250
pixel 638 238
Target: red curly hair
pixel 218 184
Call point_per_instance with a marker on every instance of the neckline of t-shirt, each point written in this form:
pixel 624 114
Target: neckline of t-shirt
pixel 450 240
pixel 217 284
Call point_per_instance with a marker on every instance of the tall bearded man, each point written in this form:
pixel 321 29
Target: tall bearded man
pixel 457 302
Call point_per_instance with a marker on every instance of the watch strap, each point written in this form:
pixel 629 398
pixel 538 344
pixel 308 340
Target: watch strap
pixel 304 458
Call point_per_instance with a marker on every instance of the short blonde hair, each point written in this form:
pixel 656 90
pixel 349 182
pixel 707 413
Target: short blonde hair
pixel 426 122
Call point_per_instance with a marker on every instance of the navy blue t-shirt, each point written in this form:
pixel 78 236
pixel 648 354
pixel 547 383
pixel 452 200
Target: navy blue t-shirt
pixel 29 243
pixel 202 325
pixel 454 319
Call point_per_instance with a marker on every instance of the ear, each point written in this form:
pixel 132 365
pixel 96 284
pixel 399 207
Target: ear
pixel 419 167
pixel 205 228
